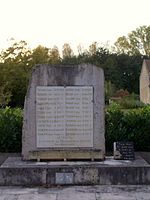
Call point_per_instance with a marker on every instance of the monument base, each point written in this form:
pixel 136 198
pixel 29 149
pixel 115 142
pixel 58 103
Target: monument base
pixel 67 155
pixel 15 172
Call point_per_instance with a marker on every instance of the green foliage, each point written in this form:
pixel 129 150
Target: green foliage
pixel 67 52
pixel 10 129
pixel 15 68
pixel 110 90
pixel 127 101
pixel 40 55
pixel 54 57
pixel 132 125
pixel 121 69
pixel 4 96
pixel 136 43
pixel 130 102
pixel 124 71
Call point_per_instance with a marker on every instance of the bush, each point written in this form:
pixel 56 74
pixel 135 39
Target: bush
pixel 131 101
pixel 10 129
pixel 132 125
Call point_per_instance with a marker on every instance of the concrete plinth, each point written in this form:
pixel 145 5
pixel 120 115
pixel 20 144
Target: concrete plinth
pixel 14 171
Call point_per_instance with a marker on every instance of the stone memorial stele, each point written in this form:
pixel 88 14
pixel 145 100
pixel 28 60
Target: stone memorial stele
pixel 64 113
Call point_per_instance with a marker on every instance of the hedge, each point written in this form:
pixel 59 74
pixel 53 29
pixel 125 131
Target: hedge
pixel 10 129
pixel 130 125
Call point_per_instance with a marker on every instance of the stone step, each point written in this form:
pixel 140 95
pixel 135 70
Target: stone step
pixel 15 172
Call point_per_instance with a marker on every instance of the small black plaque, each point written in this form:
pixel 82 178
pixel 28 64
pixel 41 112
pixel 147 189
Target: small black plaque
pixel 124 151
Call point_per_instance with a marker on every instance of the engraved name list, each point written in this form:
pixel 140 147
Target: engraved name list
pixel 64 116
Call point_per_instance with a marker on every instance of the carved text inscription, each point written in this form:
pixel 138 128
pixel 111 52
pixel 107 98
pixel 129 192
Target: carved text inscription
pixel 64 116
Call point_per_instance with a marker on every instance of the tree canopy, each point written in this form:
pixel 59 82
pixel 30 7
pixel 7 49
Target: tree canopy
pixel 121 67
pixel 137 42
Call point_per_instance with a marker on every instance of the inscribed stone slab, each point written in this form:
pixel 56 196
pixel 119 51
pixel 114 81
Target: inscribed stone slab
pixel 77 119
pixel 64 116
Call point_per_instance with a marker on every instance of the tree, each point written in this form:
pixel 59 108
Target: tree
pixel 16 68
pixel 97 55
pixel 125 73
pixel 5 96
pixel 93 48
pixel 67 52
pixel 81 50
pixel 40 55
pixel 137 42
pixel 54 55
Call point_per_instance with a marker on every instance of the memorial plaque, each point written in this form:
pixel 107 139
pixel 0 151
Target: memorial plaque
pixel 64 178
pixel 64 116
pixel 124 150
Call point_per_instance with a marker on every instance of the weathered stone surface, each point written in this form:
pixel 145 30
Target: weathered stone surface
pixel 22 176
pixel 77 196
pixel 84 75
pixel 108 172
pixel 37 197
pixel 64 178
pixel 121 192
pixel 86 175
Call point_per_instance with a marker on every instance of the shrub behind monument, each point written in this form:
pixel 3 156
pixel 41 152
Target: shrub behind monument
pixel 10 129
pixel 131 125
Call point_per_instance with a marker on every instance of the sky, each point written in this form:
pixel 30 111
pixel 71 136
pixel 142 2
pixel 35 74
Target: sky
pixel 55 22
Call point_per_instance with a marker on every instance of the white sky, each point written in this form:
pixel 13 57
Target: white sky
pixel 55 22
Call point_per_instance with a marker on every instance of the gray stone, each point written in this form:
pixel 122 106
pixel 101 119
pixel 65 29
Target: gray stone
pixel 86 176
pixel 79 77
pixel 64 178
pixel 22 176
pixel 11 190
pixel 9 197
pixel 37 197
pixel 108 172
pixel 111 196
pixel 76 196
pixel 121 192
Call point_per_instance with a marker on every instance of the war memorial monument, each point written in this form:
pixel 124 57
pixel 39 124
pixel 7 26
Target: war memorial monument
pixel 64 114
